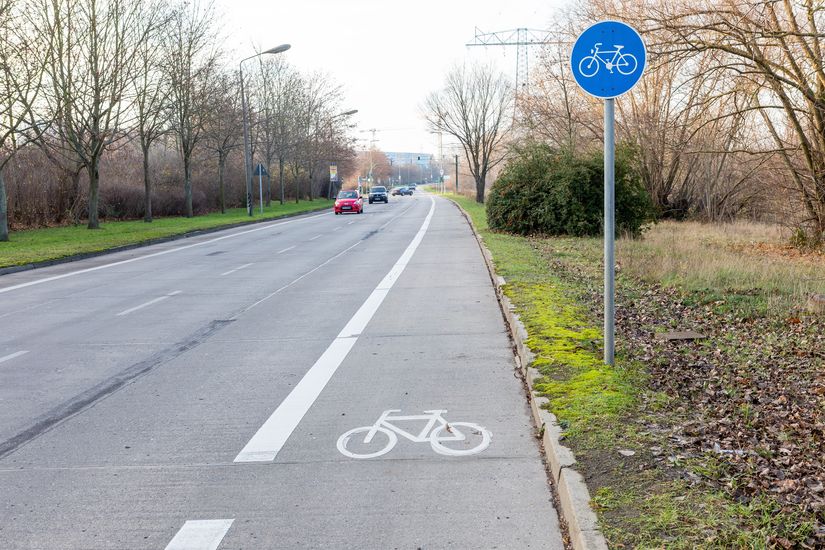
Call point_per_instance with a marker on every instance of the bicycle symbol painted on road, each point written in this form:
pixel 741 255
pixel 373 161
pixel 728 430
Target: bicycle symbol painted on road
pixel 625 63
pixel 446 438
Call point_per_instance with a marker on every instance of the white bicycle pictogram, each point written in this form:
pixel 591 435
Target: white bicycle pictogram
pixel 437 431
pixel 625 63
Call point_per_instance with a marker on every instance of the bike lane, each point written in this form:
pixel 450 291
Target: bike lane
pixel 437 343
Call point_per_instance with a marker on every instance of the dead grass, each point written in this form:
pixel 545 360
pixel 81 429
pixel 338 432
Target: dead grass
pixel 746 260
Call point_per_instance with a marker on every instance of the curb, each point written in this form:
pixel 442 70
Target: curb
pixel 141 244
pixel 574 497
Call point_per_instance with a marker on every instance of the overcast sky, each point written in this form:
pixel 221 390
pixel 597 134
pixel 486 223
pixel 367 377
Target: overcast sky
pixel 388 55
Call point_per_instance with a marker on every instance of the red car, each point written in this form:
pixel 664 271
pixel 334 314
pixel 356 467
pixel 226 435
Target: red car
pixel 349 201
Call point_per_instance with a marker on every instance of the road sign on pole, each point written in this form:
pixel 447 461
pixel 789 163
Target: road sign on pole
pixel 607 60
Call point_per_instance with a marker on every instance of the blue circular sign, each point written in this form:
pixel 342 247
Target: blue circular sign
pixel 608 59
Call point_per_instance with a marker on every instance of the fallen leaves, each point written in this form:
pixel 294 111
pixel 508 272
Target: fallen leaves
pixel 747 407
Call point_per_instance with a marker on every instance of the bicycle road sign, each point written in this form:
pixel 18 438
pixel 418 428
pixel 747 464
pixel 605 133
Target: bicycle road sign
pixel 608 59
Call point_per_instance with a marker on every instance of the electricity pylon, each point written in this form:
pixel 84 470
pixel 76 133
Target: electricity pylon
pixel 521 39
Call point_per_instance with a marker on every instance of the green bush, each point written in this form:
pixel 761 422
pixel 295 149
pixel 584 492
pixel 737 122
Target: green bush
pixel 553 192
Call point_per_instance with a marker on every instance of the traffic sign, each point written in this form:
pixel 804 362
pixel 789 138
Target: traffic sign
pixel 608 59
pixel 260 170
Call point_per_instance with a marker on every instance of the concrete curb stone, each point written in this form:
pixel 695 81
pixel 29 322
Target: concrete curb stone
pixel 572 490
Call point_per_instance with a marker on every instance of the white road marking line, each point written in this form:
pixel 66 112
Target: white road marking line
pixel 244 266
pixel 202 534
pixel 311 271
pixel 286 249
pixel 271 437
pixel 350 223
pixel 316 237
pixel 153 255
pixel 149 303
pixel 13 355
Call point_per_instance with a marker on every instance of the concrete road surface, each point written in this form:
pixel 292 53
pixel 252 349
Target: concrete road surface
pixel 207 393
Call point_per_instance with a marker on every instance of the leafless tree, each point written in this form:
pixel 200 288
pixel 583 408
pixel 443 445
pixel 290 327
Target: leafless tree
pixel 224 125
pixel 89 70
pixel 20 77
pixel 774 48
pixel 151 90
pixel 475 107
pixel 191 65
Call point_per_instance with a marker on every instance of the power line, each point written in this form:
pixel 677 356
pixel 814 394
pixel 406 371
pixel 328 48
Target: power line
pixel 521 38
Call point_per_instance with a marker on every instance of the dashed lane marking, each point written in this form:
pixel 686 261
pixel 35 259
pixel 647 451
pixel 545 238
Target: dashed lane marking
pixel 202 534
pixel 149 303
pixel 13 356
pixel 231 271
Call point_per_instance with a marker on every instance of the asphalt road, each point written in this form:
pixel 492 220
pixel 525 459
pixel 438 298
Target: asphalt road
pixel 199 394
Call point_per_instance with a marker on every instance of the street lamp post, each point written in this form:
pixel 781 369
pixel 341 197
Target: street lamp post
pixel 246 152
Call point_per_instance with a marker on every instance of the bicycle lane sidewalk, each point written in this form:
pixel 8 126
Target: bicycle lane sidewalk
pixel 437 343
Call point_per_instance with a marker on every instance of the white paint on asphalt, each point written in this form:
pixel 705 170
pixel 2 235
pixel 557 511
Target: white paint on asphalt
pixel 13 356
pixel 271 437
pixel 149 303
pixel 153 255
pixel 286 249
pixel 313 270
pixel 316 237
pixel 231 271
pixel 350 223
pixel 464 438
pixel 310 272
pixel 202 534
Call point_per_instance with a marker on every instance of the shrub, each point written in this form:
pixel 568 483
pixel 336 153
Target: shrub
pixel 557 192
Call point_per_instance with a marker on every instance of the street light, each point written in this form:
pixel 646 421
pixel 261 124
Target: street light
pixel 247 156
pixel 329 122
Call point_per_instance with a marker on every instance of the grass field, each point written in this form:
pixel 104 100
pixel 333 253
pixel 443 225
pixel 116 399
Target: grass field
pixel 37 245
pixel 658 401
pixel 748 265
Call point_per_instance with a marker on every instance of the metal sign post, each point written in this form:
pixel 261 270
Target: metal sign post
pixel 607 60
pixel 260 171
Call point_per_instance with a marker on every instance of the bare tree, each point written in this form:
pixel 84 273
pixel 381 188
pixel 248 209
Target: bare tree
pixel 224 125
pixel 474 107
pixel 20 78
pixel 151 91
pixel 191 61
pixel 89 70
pixel 775 49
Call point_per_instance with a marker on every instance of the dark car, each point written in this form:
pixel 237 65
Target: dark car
pixel 401 191
pixel 378 193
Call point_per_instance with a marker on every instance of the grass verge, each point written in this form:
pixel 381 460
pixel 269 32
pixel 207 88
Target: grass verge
pixel 52 243
pixel 667 491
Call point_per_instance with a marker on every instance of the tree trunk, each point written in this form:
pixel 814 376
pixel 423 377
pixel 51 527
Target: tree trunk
pixel 94 193
pixel 4 214
pixel 74 206
pixel 479 190
pixel 281 177
pixel 187 184
pixel 221 167
pixel 310 183
pixel 147 187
